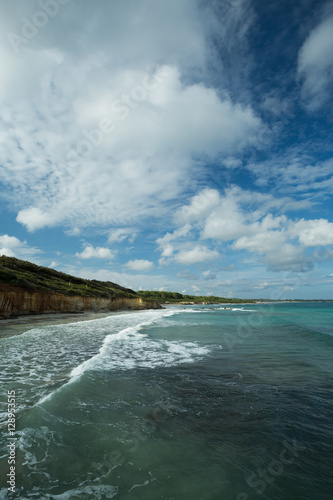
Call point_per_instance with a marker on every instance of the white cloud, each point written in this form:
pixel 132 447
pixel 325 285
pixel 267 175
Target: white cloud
pixel 159 122
pixel 95 253
pixel 195 255
pixel 166 244
pixel 226 223
pixel 34 218
pixel 7 251
pixel 245 220
pixel 313 233
pixel 262 242
pixel 121 234
pixel 178 233
pixel 315 64
pixel 199 206
pixel 140 265
pixel 13 247
pixel 10 242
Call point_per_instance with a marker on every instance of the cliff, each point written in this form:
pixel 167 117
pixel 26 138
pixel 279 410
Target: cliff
pixel 26 288
pixel 16 301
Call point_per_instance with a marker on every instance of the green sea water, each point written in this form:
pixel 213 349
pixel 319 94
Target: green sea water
pixel 192 403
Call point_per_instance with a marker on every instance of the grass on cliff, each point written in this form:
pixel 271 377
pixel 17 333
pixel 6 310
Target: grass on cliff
pixel 32 278
pixel 175 297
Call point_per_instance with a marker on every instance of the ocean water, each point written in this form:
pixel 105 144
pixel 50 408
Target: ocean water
pixel 185 403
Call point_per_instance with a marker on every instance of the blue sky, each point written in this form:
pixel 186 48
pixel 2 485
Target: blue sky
pixel 180 145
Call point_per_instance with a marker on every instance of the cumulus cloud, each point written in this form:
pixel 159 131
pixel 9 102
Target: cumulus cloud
pixel 313 233
pixel 166 243
pixel 8 244
pixel 246 221
pixel 34 218
pixel 117 125
pixel 140 265
pixel 13 247
pixel 315 64
pixel 199 207
pixel 225 223
pixel 131 155
pixel 261 242
pixel 195 255
pixel 91 252
pixel 103 129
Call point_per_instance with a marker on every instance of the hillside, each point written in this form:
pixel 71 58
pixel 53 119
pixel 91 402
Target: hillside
pixel 32 278
pixel 178 298
pixel 26 288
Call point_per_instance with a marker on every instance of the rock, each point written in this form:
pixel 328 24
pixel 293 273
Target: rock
pixel 17 301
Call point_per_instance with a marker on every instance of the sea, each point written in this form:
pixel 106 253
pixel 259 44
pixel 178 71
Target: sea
pixel 207 402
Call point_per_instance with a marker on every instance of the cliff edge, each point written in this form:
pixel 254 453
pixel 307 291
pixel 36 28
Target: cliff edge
pixel 26 288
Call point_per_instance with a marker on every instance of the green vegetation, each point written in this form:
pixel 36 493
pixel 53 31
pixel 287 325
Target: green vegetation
pixel 175 297
pixel 33 278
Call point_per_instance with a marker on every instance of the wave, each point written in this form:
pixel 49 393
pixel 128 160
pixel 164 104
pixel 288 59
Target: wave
pixel 243 309
pixel 209 309
pixel 131 348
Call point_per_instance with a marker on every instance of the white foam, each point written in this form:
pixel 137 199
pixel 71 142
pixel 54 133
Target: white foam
pixel 128 347
pixel 242 309
pixel 97 492
pixel 131 349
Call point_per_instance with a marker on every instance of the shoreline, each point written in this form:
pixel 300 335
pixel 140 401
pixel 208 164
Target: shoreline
pixel 22 324
pixel 48 317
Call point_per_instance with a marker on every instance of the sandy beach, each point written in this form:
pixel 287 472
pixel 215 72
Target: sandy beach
pixel 21 324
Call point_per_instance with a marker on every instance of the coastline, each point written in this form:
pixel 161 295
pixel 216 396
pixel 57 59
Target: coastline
pixel 52 317
pixel 21 324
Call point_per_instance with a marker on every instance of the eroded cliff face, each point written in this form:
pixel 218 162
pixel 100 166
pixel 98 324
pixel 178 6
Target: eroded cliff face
pixel 16 301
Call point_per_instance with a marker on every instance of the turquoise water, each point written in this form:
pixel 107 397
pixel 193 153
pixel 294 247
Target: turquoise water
pixel 187 403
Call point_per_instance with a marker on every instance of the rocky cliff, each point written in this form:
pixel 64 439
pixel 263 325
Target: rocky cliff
pixel 16 301
pixel 26 288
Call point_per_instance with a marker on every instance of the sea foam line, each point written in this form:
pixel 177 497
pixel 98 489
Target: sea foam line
pixel 78 371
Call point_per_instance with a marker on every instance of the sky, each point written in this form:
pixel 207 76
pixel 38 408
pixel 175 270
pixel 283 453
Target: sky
pixel 180 145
